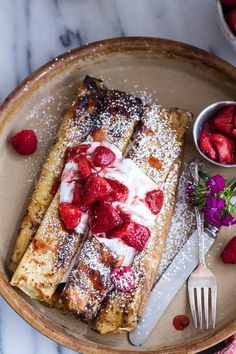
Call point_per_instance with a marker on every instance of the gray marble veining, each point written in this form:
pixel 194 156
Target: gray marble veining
pixel 34 31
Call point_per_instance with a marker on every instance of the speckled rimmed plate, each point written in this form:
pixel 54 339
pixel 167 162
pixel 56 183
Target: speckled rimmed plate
pixel 177 75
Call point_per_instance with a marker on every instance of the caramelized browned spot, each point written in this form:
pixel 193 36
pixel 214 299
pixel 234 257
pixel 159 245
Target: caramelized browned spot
pixel 147 131
pixel 99 135
pixel 154 162
pixel 22 277
pixel 39 245
pixel 106 257
pixel 120 261
pixel 94 275
pixel 38 262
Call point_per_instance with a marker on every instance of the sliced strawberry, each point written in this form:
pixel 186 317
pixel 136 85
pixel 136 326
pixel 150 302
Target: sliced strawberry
pixel 223 119
pixel 154 200
pixel 77 191
pixel 74 151
pixel 119 190
pixel 132 233
pixel 70 215
pixel 206 146
pixel 102 156
pixel 104 218
pixel 231 19
pixel 122 278
pixel 25 142
pixel 95 188
pixel 84 166
pixel 229 253
pixel 224 148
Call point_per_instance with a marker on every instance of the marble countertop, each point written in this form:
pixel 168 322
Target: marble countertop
pixel 33 32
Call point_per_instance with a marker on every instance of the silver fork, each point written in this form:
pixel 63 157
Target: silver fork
pixel 202 287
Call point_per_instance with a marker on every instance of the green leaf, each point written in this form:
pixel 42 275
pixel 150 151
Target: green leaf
pixel 231 209
pixel 203 175
pixel 231 185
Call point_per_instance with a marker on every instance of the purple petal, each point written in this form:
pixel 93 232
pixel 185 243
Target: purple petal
pixel 228 220
pixel 220 204
pixel 213 216
pixel 217 203
pixel 216 184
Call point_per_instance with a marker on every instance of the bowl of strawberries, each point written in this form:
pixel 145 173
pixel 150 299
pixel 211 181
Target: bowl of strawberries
pixel 226 10
pixel 214 133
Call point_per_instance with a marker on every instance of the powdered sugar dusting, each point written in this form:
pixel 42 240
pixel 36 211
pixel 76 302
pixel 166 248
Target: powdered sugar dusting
pixel 154 142
pixel 182 224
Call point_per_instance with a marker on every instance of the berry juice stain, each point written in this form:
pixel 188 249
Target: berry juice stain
pixel 180 322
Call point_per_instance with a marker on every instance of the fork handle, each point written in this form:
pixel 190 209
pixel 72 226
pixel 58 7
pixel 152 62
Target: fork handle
pixel 200 232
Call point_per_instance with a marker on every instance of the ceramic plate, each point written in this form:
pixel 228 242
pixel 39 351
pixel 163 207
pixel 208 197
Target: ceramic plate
pixel 175 74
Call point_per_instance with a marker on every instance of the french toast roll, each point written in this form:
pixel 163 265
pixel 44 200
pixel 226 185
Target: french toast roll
pixel 74 128
pixel 89 280
pixel 47 258
pixel 149 153
pixel 157 150
pixel 43 267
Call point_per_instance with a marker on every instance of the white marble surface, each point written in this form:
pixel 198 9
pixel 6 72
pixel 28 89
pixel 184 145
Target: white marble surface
pixel 34 31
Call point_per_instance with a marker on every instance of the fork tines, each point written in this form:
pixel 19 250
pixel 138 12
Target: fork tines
pixel 202 300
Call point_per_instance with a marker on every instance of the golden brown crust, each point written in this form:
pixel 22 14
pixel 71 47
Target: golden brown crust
pixel 43 266
pixel 120 312
pixel 116 114
pixel 88 282
pixel 157 151
pixel 47 184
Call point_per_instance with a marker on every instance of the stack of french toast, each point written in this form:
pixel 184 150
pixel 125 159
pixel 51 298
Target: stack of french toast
pixel 95 228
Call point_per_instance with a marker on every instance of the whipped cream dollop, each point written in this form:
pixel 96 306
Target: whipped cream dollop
pixel 128 173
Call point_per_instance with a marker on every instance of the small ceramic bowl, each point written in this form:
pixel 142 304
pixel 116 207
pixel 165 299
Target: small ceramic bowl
pixel 229 35
pixel 205 114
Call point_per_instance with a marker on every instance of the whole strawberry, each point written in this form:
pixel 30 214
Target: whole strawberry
pixel 25 142
pixel 229 252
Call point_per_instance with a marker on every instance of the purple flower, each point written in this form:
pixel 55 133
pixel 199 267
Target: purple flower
pixel 228 220
pixel 213 216
pixel 215 203
pixel 216 184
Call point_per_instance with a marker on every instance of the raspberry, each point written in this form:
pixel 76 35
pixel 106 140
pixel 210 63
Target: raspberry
pixel 102 156
pixel 25 142
pixel 122 278
pixel 104 218
pixel 154 200
pixel 229 253
pixel 70 215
